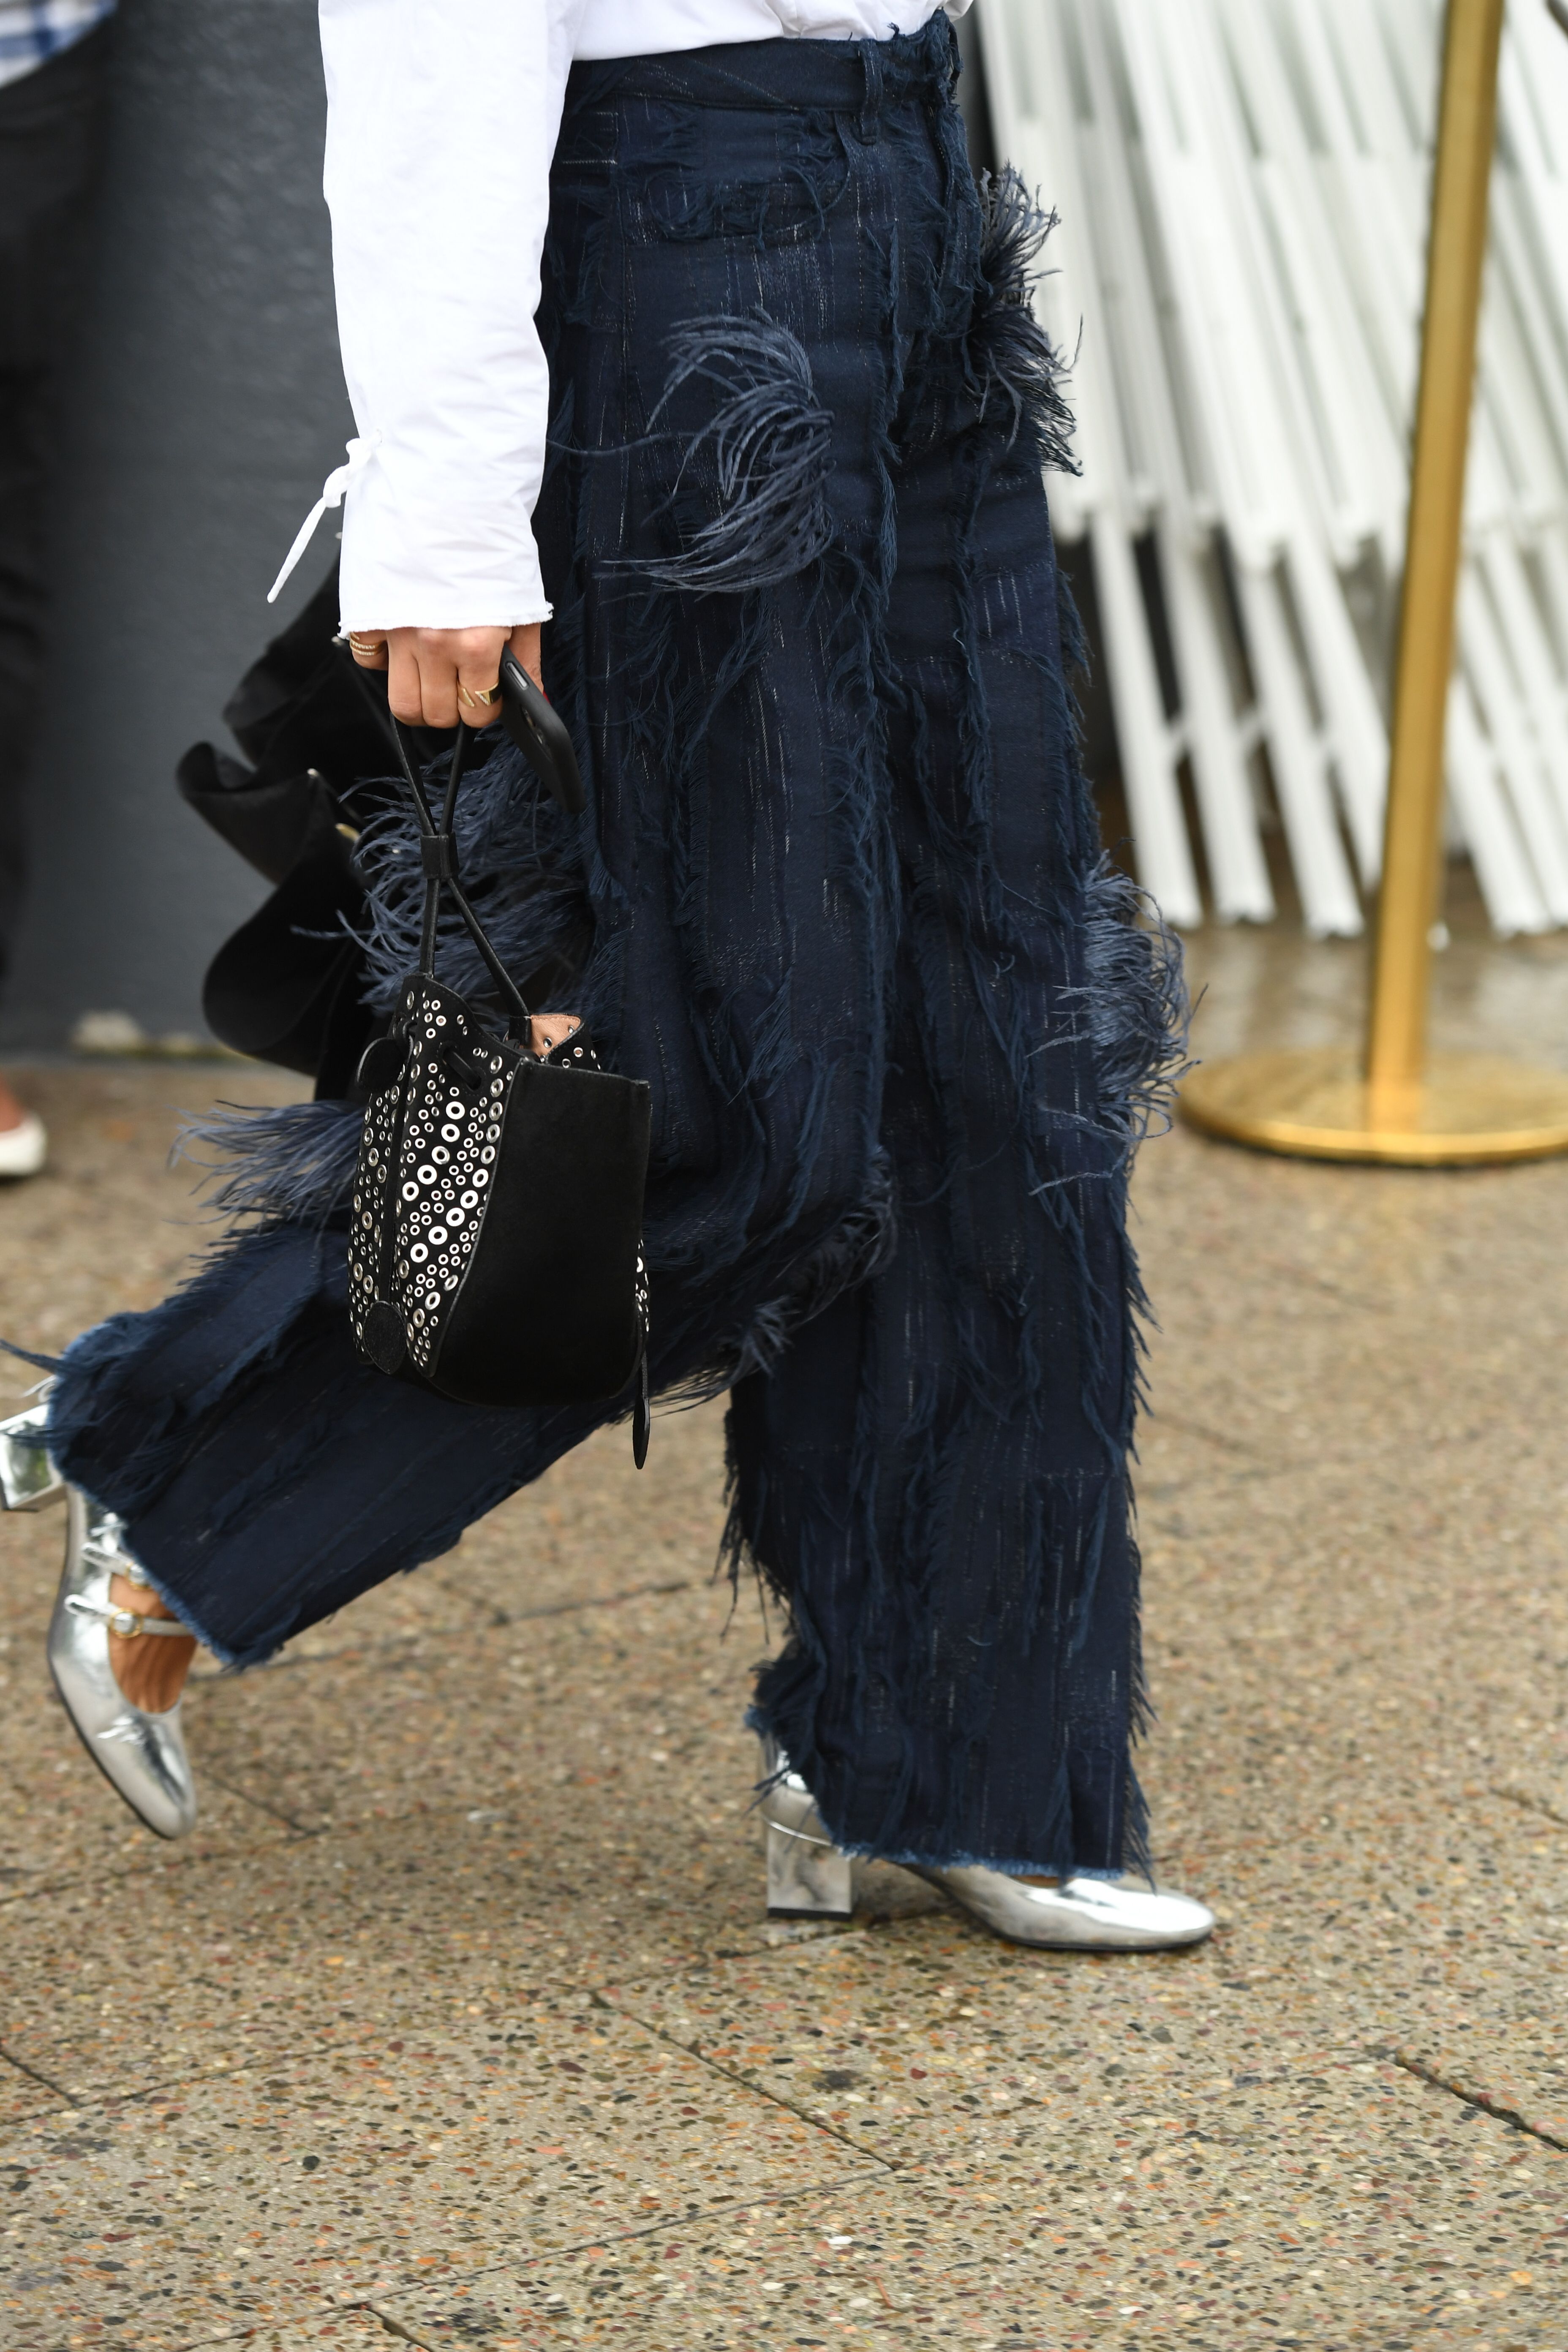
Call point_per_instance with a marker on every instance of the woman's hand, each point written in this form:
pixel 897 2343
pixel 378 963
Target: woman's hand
pixel 434 673
pixel 437 675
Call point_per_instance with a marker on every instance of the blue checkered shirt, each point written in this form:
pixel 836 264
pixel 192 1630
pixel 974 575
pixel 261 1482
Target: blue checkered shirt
pixel 34 30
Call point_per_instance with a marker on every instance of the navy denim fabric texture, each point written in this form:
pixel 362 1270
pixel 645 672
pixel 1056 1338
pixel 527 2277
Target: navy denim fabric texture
pixel 839 896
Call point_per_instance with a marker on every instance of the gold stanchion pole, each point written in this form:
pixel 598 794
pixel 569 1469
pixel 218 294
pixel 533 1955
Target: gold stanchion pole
pixel 1399 1105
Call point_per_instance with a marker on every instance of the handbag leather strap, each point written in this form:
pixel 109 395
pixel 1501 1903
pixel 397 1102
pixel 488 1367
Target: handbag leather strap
pixel 439 851
pixel 438 858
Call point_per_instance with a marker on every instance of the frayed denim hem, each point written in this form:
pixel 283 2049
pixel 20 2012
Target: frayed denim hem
pixel 1137 1863
pixel 173 1602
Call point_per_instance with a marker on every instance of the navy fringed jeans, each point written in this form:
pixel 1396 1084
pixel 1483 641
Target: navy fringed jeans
pixel 839 898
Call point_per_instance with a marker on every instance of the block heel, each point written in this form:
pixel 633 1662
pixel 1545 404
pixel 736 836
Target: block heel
pixel 28 1479
pixel 808 1877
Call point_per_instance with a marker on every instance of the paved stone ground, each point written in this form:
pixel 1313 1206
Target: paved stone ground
pixel 458 2023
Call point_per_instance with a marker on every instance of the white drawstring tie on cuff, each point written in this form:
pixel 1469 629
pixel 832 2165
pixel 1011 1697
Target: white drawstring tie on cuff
pixel 333 488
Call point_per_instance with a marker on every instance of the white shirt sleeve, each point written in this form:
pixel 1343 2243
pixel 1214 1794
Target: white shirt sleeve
pixel 442 120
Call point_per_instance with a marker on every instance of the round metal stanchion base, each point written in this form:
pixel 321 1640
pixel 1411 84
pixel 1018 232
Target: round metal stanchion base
pixel 1318 1106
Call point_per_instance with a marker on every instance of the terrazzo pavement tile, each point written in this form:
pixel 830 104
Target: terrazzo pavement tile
pixel 204 1963
pixel 1348 1319
pixel 901 2038
pixel 1354 2214
pixel 620 1726
pixel 1359 1623
pixel 334 2330
pixel 23 2093
pixel 989 2073
pixel 417 2154
pixel 597 1528
pixel 508 1799
pixel 323 1941
pixel 1454 1958
pixel 220 1968
pixel 486 1784
pixel 108 1225
pixel 929 2038
pixel 857 2262
pixel 644 1699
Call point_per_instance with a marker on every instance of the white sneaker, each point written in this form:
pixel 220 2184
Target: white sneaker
pixel 23 1148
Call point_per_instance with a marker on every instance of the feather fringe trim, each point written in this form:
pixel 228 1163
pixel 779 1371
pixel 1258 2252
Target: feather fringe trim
pixel 1013 360
pixel 290 1165
pixel 1133 1005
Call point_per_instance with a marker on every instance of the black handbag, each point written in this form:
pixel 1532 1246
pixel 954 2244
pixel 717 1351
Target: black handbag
pixel 496 1250
pixel 288 986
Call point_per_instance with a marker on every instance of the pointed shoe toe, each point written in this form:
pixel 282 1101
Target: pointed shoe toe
pixel 140 1754
pixel 1087 1914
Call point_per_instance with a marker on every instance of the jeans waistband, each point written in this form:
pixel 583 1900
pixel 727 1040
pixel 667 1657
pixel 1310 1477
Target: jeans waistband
pixel 835 77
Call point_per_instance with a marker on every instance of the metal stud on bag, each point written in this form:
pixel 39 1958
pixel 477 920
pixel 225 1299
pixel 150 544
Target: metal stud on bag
pixel 495 1252
pixel 448 1140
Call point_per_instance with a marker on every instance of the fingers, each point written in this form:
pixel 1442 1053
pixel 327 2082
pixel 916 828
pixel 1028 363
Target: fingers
pixel 404 688
pixel 435 676
pixel 478 693
pixel 453 662
pixel 547 1030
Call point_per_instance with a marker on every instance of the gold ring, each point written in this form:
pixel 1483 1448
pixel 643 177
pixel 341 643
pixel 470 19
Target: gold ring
pixel 365 644
pixel 481 698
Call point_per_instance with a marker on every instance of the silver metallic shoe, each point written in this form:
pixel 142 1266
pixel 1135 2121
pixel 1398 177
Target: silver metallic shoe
pixel 143 1755
pixel 1086 1914
pixel 28 1479
pixel 808 1878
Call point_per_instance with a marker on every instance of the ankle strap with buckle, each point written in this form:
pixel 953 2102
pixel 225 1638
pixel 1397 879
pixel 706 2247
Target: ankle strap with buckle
pixel 126 1621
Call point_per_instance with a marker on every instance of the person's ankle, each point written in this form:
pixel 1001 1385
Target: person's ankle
pixel 151 1672
pixel 12 1112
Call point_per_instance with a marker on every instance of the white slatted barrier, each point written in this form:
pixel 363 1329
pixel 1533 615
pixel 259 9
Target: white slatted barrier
pixel 1241 188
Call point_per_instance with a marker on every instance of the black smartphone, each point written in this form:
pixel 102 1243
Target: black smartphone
pixel 540 735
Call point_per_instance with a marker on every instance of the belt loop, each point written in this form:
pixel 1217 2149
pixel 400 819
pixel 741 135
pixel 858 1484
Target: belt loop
pixel 871 67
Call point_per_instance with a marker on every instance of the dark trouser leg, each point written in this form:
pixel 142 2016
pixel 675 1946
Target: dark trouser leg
pixel 935 1478
pixel 266 1475
pixel 929 1480
pixel 50 125
pixel 950 1530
